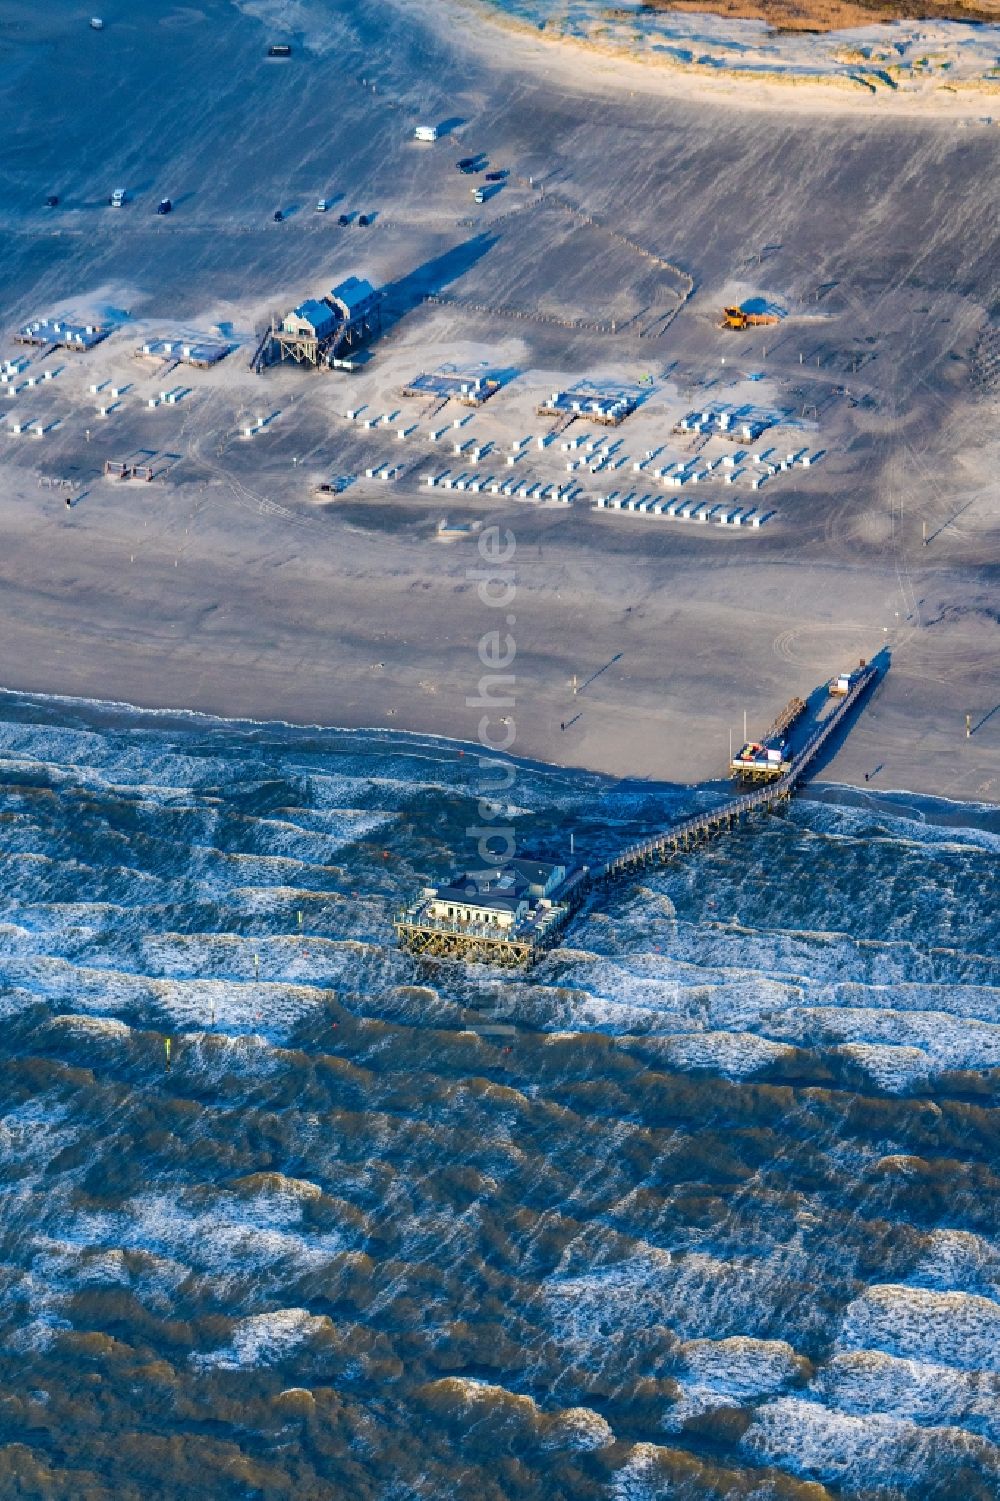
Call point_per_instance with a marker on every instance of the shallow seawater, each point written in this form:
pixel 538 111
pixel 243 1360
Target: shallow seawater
pixel 705 1206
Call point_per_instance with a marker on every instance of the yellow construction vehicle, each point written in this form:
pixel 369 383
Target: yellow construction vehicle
pixel 735 317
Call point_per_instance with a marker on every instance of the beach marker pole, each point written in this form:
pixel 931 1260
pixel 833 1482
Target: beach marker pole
pixel 968 726
pixel 166 1045
pixel 300 919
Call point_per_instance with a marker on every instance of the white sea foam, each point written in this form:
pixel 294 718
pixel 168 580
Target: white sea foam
pixel 695 994
pixel 738 1055
pixel 907 827
pixel 36 1335
pixel 945 1042
pixel 592 1314
pixel 232 1000
pixel 730 1372
pixel 601 1315
pixel 30 1312
pixel 645 993
pixel 575 1428
pixel 639 1009
pixel 579 1429
pixel 469 1392
pixel 811 1440
pixel 869 1381
pixel 894 1069
pixel 726 984
pixel 31 1135
pixel 277 1199
pixel 957 1259
pixel 230 1240
pixel 60 1266
pixel 94 1026
pixel 642 1477
pixel 949 1328
pixel 265 1339
pixel 741 1367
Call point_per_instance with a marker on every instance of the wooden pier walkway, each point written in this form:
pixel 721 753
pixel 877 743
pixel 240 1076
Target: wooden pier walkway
pixel 658 848
pixel 442 938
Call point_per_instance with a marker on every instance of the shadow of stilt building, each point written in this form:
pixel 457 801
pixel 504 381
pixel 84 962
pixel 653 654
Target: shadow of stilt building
pixel 403 295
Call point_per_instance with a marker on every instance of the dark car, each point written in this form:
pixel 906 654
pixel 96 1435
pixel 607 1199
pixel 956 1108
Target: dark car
pixel 364 220
pixel 344 219
pixel 52 201
pixel 279 49
pixel 465 163
pixel 278 216
pixel 498 176
pixel 164 206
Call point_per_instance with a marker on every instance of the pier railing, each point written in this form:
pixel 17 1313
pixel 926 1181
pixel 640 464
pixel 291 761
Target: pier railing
pixel 700 825
pixel 522 943
pixel 539 924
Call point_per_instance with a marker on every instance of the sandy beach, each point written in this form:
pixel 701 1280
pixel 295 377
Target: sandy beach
pixel 336 1162
pixel 227 586
pixel 927 69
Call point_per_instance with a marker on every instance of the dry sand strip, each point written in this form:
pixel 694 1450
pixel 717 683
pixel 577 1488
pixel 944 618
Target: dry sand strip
pixel 251 618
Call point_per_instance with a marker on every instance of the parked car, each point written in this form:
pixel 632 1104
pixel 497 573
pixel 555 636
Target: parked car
pixel 164 206
pixel 344 219
pixel 322 204
pixel 279 49
pixel 364 220
pixel 118 198
pixel 52 201
pixel 278 216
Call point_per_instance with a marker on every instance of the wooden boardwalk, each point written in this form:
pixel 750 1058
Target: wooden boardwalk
pixel 658 848
pixel 436 938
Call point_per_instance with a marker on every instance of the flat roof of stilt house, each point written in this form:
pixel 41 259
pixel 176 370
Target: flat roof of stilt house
pixel 465 894
pixel 503 886
pixel 312 318
pixel 353 296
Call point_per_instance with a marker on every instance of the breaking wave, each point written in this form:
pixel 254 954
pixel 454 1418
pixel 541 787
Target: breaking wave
pixel 703 1206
